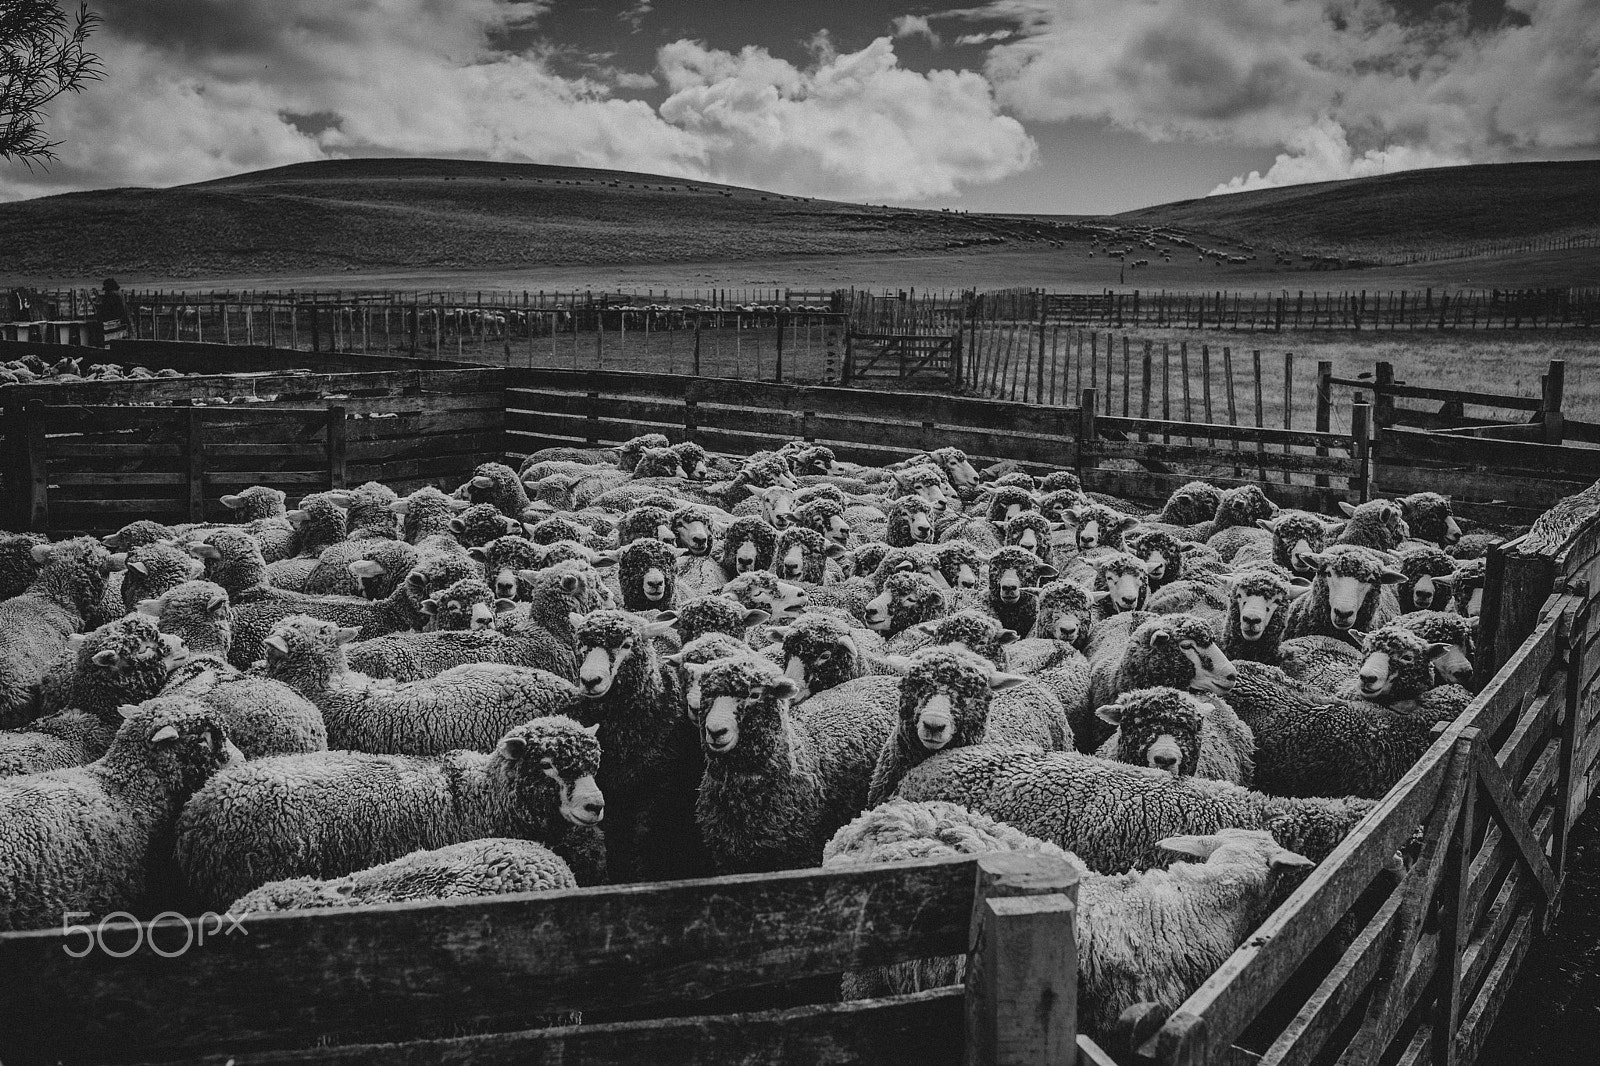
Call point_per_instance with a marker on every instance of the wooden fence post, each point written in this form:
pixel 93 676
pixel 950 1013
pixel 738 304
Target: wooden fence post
pixel 1360 450
pixel 1088 432
pixel 1382 380
pixel 1324 410
pixel 196 460
pixel 1550 405
pixel 336 447
pixel 1022 963
pixel 592 428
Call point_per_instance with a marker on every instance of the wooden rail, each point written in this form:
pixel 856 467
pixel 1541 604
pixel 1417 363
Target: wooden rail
pixel 401 982
pixel 1378 958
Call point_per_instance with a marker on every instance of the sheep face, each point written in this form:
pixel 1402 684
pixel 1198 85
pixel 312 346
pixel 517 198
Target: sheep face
pixel 1258 597
pixel 1101 526
pixel 944 699
pixel 747 545
pixel 1180 650
pixel 906 599
pixel 1162 555
pixel 1191 504
pixel 744 703
pixel 255 502
pixel 958 565
pixel 1296 538
pixel 1430 591
pixel 1240 847
pixel 1430 517
pixel 802 555
pixel 502 558
pixel 1158 728
pixel 1380 521
pixel 555 750
pixel 1012 571
pixel 1030 531
pixel 692 531
pixel 1351 576
pixel 606 640
pixel 1066 610
pixel 1456 634
pixel 1125 581
pixel 956 466
pixel 1396 663
pixel 182 741
pixel 777 506
pixel 911 515
pixel 818 654
pixel 929 483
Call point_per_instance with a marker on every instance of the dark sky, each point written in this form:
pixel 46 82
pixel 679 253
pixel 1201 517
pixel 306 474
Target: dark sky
pixel 1069 106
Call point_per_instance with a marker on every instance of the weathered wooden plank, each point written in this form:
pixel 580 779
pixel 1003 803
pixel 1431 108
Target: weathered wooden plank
pixel 1532 731
pixel 409 970
pixel 1179 453
pixel 1496 852
pixel 1509 613
pixel 925 1027
pixel 1531 494
pixel 101 479
pixel 1578 464
pixel 1139 485
pixel 1515 892
pixel 1248 434
pixel 1421 392
pixel 1475 1027
pixel 1509 812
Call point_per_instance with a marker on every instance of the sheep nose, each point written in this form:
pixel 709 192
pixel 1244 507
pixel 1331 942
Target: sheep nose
pixel 1369 679
pixel 1421 598
pixel 717 735
pixel 595 808
pixel 505 588
pixel 1165 762
pixel 591 683
pixel 1462 675
pixel 1342 619
pixel 698 543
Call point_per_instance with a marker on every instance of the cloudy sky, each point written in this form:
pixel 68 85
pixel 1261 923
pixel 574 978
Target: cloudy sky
pixel 1070 106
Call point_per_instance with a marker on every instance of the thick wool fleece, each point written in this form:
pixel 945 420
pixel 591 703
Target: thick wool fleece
pixel 821 651
pixel 645 522
pixel 155 568
pixel 1446 627
pixel 328 814
pixel 556 528
pixel 135 534
pixel 650 763
pixel 498 486
pixel 1311 614
pixel 1111 815
pixel 493 866
pixel 559 592
pixel 464 707
pixel 1475 545
pixel 1419 562
pixel 811 566
pixel 1309 743
pixel 465 604
pixel 261 716
pixel 371 513
pixel 911 521
pixel 1470 576
pixel 34 626
pixel 785 778
pixel 747 545
pixel 1260 593
pixel 630 451
pixel 1029 530
pixel 1100 526
pixel 711 614
pixel 1161 553
pixel 332 574
pixel 1026 569
pixel 1109 571
pixel 481 523
pixel 906 600
pixel 1215 744
pixel 1005 502
pixel 1065 612
pixel 503 557
pixel 947 691
pixel 90 838
pixel 319 522
pixel 658 463
pixel 1191 504
pixel 17 565
pixel 1428 515
pixel 426 513
pixel 1177 651
pixel 693 459
pixel 256 503
pixel 119 663
pixel 1296 536
pixel 1405 671
pixel 1376 524
pixel 643 557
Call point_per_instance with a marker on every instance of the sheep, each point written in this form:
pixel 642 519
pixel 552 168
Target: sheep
pixel 233 560
pixel 1180 734
pixel 1192 504
pixel 86 839
pixel 1030 531
pixel 699 653
pixel 761 590
pixel 319 522
pixel 1344 595
pixel 629 453
pixel 802 555
pixel 328 814
pixel 152 569
pixel 1429 573
pixel 254 504
pixel 1376 524
pixel 503 557
pixel 558 592
pixel 1458 634
pixel 18 567
pixel 481 523
pixel 906 600
pixel 1065 613
pixel 699 572
pixel 647 574
pixel 714 614
pixel 556 528
pixel 1114 816
pixel 1321 662
pixel 368 567
pixel 426 513
pixel 1151 936
pixel 1162 554
pixel 747 545
pixel 956 466
pixel 945 703
pixel 693 459
pixel 1011 572
pixel 820 651
pixel 826 517
pixel 779 780
pixel 135 534
pixel 1467 594
pixel 658 463
pixel 1100 526
pixel 1475 545
pixel 491 866
pixel 1258 602
pixel 1176 650
pixel 1236 524
pixel 498 486
pixel 1397 672
pixel 958 563
pixel 121 662
pixel 1310 743
pixel 467 706
pixel 774 506
pixel 1429 517
pixel 1125 579
pixel 910 522
pixel 645 522
pixel 1296 536
pixel 35 625
pixel 650 763
pixel 465 604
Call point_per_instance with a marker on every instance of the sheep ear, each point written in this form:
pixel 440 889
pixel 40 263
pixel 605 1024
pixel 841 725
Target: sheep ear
pixel 1319 559
pixel 459 505
pixel 1472 623
pixel 1002 682
pixel 478 553
pixel 457 525
pixel 659 626
pixel 231 502
pixel 220 603
pixel 512 748
pixel 363 569
pixel 429 607
pixel 205 552
pixel 1160 636
pixel 502 605
pixel 1435 650
pixel 575 618
pixel 1285 857
pixel 149 608
pixel 755 617
pixel 1391 577
pixel 603 561
pixel 1266 524
pixel 296 517
pixel 783 687
pixel 75 641
pixel 1357 635
pixel 1197 846
pixel 1099 597
pixel 128 710
pixel 900 664
pixel 1046 571
pixel 106 658
pixel 400 507
pixel 346 634
pixel 164 735
pixel 1347 507
pixel 781 632
pixel 1445 582
pixel 527 575
pixel 592 730
pixel 1298 586
pixel 118 561
pixel 833 550
pixel 1007 636
pixel 139 566
pixel 1111 712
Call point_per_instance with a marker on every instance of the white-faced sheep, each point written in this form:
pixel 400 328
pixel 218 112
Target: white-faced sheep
pixel 906 600
pixel 559 592
pixel 650 763
pixel 35 625
pixel 747 546
pixel 1177 651
pixel 803 555
pixel 1467 593
pixel 1345 594
pixel 1397 671
pixel 1458 634
pixel 910 522
pixel 1258 612
pixel 85 839
pixel 1296 537
pixel 1179 733
pixel 779 779
pixel 327 814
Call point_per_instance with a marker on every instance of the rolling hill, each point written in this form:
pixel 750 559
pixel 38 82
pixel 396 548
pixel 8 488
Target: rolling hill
pixel 374 215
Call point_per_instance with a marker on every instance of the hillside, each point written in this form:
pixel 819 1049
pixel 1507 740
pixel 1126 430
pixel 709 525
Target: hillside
pixel 372 217
pixel 1419 211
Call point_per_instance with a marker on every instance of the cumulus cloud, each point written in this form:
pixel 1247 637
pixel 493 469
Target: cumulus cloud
pixel 1342 87
pixel 199 89
pixel 915 26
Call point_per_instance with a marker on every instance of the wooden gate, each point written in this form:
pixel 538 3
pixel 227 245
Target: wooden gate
pixel 901 356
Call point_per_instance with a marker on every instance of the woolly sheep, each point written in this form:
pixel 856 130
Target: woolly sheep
pixel 906 600
pixel 1467 594
pixel 1235 525
pixel 1162 555
pixel 1429 517
pixel 779 780
pixel 465 604
pixel 498 486
pixel 802 555
pixel 1376 524
pixel 368 567
pixel 1296 537
pixel 1344 595
pixel 1014 575
pixel 821 651
pixel 468 706
pixel 481 523
pixel 1114 816
pixel 747 546
pixel 1397 672
pixel 152 569
pixel 559 592
pixel 1191 505
pixel 1178 651
pixel 647 574
pixel 1458 634
pixel 35 625
pixel 1258 602
pixel 18 567
pixel 762 591
pixel 319 522
pixel 650 764
pixel 328 814
pixel 1429 575
pixel 1100 526
pixel 1181 734
pixel 84 840
pixel 910 522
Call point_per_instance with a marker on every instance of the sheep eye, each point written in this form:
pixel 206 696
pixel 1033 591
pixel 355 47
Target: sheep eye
pixel 547 764
pixel 1186 645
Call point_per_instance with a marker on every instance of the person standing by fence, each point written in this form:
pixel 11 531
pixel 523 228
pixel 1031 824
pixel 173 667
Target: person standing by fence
pixel 112 312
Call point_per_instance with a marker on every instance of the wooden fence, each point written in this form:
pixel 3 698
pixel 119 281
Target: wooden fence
pixel 1400 947
pixel 91 456
pixel 403 982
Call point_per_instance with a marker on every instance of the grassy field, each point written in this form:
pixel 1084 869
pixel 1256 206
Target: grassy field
pixel 419 223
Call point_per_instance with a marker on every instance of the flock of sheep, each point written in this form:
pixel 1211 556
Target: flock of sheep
pixel 650 663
